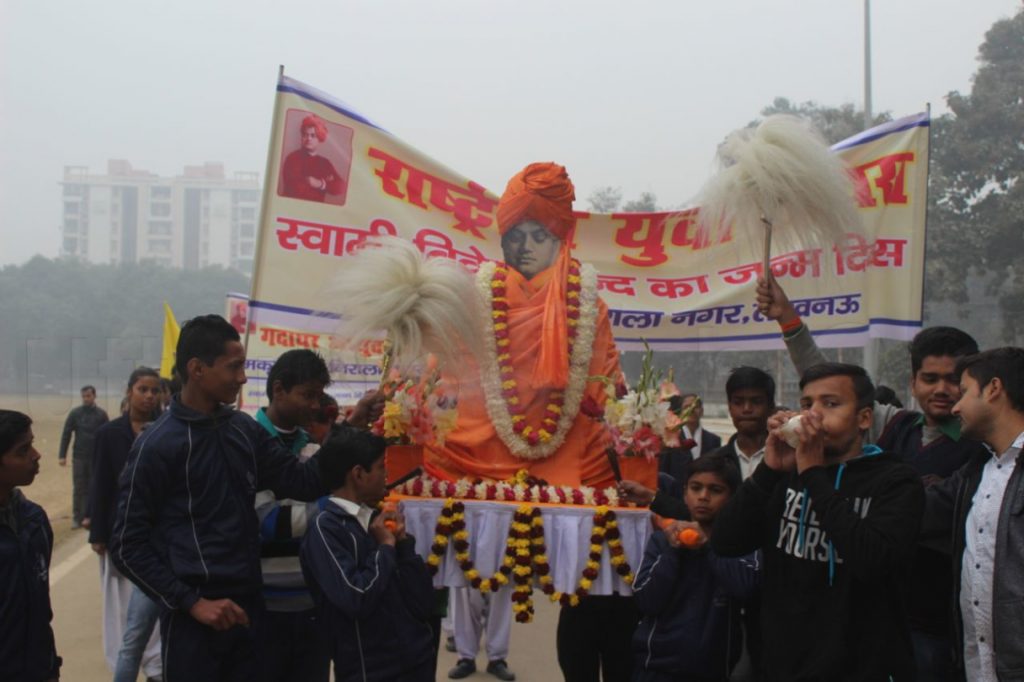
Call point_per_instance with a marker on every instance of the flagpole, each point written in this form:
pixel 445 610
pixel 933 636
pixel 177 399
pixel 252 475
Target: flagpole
pixel 264 204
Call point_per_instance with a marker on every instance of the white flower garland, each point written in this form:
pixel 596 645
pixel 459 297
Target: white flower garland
pixel 579 364
pixel 506 491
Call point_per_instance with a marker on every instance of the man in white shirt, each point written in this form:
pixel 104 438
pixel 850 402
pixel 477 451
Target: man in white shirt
pixel 676 461
pixel 705 440
pixel 981 508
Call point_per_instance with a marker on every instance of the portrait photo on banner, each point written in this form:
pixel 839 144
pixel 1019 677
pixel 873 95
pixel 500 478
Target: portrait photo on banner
pixel 238 314
pixel 317 158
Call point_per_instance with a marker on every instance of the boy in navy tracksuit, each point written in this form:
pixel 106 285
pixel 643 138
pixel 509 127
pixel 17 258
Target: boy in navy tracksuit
pixel 27 650
pixel 373 590
pixel 688 595
pixel 186 531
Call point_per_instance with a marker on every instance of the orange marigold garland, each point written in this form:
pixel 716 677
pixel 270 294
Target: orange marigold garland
pixel 526 556
pixel 522 531
pixel 543 437
pixel 452 524
pixel 606 530
pixel 532 434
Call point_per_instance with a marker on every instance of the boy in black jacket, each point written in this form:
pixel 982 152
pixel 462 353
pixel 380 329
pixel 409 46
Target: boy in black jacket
pixel 27 650
pixel 374 592
pixel 838 524
pixel 186 531
pixel 930 441
pixel 688 595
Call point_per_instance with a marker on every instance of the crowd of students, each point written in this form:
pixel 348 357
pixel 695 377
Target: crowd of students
pixel 869 543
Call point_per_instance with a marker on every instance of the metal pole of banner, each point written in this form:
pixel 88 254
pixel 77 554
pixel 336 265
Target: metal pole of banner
pixel 264 203
pixel 867 65
pixel 870 360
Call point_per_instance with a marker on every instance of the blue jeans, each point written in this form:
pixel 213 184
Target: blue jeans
pixel 143 614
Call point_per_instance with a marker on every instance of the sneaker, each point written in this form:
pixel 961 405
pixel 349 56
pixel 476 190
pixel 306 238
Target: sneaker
pixel 449 644
pixel 500 670
pixel 464 668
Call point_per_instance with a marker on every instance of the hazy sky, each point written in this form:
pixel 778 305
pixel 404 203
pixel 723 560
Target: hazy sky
pixel 634 94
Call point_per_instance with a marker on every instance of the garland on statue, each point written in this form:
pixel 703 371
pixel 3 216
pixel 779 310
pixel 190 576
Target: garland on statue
pixel 501 391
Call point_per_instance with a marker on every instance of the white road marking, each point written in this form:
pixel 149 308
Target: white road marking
pixel 63 568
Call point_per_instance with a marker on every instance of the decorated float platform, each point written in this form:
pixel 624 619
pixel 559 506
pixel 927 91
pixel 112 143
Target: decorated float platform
pixel 523 535
pixel 567 552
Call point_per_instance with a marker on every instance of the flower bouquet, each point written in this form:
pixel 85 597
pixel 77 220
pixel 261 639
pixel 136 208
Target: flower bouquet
pixel 636 420
pixel 417 413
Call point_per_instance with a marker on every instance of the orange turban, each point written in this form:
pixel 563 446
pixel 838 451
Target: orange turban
pixel 541 192
pixel 316 123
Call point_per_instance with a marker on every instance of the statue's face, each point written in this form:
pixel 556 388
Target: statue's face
pixel 530 248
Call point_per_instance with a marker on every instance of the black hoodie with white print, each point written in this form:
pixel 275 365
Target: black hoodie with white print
pixel 838 544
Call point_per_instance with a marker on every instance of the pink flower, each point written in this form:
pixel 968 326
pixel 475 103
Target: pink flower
pixel 647 442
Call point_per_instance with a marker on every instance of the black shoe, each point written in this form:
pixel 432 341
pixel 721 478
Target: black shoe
pixel 500 670
pixel 464 668
pixel 449 644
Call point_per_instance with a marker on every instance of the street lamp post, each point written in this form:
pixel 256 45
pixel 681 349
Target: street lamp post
pixel 870 359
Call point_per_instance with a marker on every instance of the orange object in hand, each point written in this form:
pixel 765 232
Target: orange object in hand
pixel 391 524
pixel 688 537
